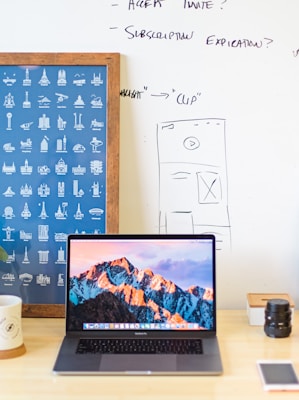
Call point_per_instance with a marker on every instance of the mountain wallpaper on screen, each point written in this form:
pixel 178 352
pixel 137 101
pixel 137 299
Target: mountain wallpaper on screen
pixel 116 291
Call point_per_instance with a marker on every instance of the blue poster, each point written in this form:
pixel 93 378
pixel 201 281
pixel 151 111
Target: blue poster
pixel 53 172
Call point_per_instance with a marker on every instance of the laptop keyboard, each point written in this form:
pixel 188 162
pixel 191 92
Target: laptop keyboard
pixel 140 346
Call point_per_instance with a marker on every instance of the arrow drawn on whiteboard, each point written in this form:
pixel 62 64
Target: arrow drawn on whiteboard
pixel 166 95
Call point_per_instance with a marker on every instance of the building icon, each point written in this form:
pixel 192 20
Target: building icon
pixel 44 145
pixel 44 122
pixel 27 80
pixel 44 81
pixel 61 189
pixel 26 102
pixel 43 233
pixel 61 123
pixel 43 256
pixel 61 256
pixel 9 101
pixel 61 81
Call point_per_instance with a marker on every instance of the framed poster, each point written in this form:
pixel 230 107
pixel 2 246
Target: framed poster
pixel 59 146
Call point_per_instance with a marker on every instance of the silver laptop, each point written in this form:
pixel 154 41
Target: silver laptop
pixel 140 304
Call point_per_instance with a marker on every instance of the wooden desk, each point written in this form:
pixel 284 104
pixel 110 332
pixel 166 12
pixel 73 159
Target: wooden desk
pixel 30 376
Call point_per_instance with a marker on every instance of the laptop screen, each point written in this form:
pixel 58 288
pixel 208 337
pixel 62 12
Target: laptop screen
pixel 141 282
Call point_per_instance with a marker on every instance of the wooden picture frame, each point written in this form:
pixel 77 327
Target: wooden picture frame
pixel 33 119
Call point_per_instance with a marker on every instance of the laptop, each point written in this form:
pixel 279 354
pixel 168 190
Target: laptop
pixel 140 305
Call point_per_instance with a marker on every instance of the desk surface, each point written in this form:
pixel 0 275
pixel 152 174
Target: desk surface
pixel 30 376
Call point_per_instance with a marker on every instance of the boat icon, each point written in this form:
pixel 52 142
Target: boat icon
pixel 96 102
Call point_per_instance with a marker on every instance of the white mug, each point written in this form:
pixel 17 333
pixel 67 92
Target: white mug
pixel 11 335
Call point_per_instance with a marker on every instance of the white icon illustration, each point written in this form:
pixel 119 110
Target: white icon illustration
pixel 79 170
pixel 9 278
pixel 9 101
pixel 43 170
pixel 96 213
pixel 26 258
pixel 26 146
pixel 60 237
pixel 76 191
pixel 26 126
pixel 97 80
pixel 61 145
pixel 8 230
pixel 96 101
pixel 41 279
pixel 61 167
pixel 8 169
pixel 25 235
pixel 96 189
pixel 26 169
pixel 26 278
pixel 44 81
pixel 9 120
pixel 61 81
pixel 95 144
pixel 44 145
pixel 78 122
pixel 96 167
pixel 79 214
pixel 61 212
pixel 79 102
pixel 43 256
pixel 43 102
pixel 96 125
pixel 79 148
pixel 26 213
pixel 8 148
pixel 27 80
pixel 26 190
pixel 79 80
pixel 11 258
pixel 44 122
pixel 61 99
pixel 60 280
pixel 9 192
pixel 43 214
pixel 43 233
pixel 9 81
pixel 61 189
pixel 61 124
pixel 26 102
pixel 43 190
pixel 60 256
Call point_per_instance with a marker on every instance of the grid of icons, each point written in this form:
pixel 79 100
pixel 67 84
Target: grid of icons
pixel 53 171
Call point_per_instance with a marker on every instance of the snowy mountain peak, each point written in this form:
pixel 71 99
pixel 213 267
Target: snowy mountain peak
pixel 148 296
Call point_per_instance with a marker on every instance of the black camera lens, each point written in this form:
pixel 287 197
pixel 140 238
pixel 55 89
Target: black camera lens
pixel 278 316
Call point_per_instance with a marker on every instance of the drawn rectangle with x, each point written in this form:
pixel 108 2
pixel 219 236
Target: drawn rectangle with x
pixel 209 187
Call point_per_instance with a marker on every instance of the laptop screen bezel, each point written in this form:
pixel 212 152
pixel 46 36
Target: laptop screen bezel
pixel 136 237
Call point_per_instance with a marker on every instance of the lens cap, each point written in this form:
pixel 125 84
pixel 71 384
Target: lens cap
pixel 278 305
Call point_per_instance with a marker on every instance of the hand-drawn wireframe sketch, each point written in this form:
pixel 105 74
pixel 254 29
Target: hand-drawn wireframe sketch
pixel 193 192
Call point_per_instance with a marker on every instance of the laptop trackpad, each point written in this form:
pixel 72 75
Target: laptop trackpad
pixel 138 363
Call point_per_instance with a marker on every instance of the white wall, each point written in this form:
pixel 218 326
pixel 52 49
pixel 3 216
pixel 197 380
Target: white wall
pixel 252 91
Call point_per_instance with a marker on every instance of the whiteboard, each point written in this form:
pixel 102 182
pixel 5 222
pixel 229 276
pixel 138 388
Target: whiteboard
pixel 209 126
